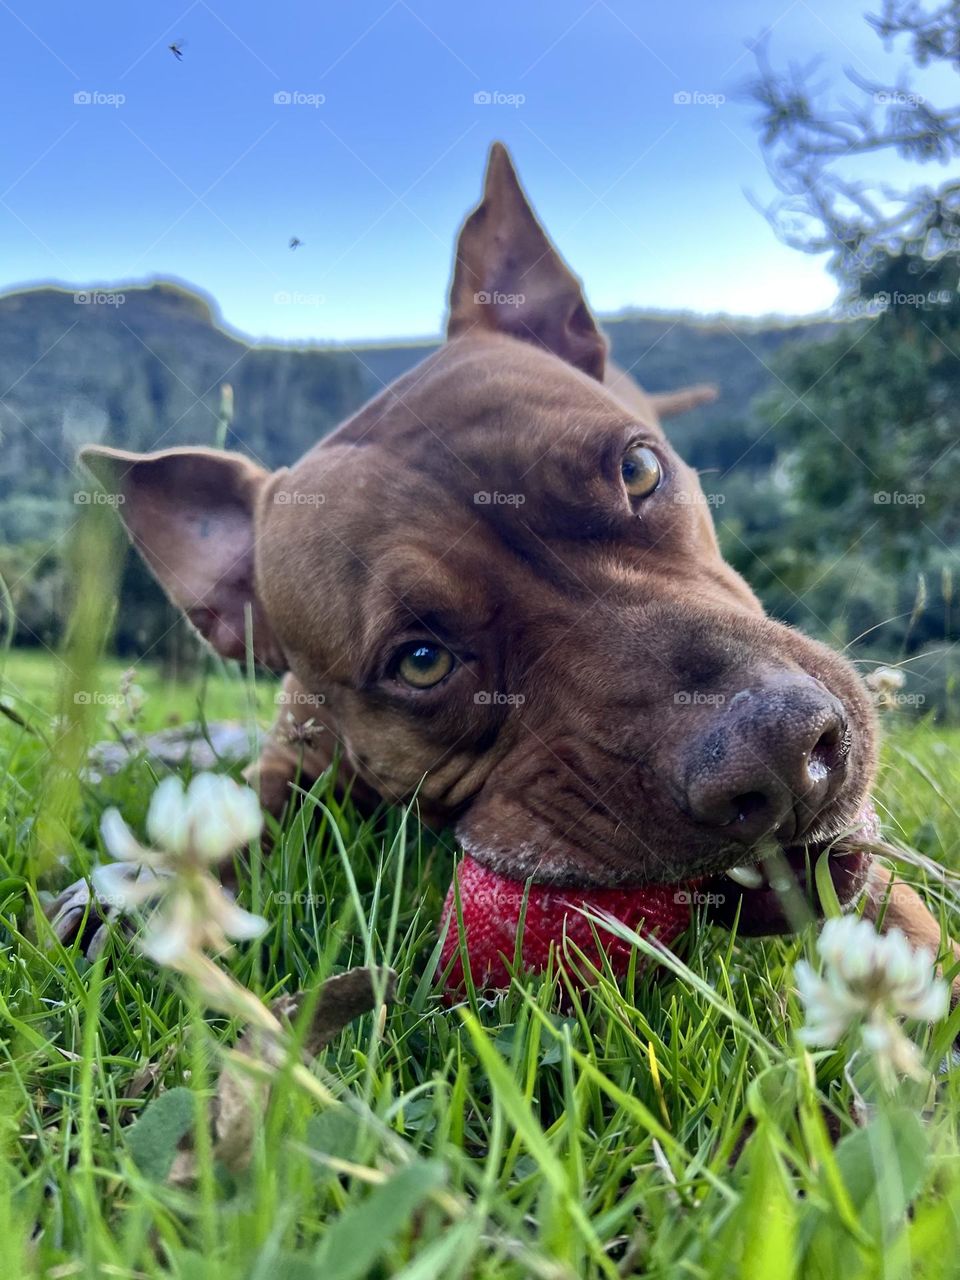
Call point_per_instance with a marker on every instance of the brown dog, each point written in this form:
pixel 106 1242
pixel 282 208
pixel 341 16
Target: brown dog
pixel 498 588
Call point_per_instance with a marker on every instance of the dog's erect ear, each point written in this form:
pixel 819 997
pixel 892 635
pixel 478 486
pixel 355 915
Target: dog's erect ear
pixel 190 513
pixel 509 278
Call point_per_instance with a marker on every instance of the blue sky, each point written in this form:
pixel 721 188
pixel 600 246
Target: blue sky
pixel 198 173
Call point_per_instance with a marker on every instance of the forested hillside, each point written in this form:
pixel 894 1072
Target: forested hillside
pixel 143 374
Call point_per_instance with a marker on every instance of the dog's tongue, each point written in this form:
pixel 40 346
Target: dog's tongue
pixel 491 906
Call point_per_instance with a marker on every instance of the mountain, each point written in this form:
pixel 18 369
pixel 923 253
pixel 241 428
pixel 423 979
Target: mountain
pixel 143 368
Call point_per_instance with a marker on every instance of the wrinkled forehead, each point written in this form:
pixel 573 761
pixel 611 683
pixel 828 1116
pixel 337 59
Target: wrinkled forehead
pixel 486 399
pixel 488 430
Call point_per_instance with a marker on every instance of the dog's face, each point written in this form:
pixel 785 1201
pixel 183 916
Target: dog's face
pixel 499 589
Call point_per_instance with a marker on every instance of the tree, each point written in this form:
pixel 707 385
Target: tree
pixel 809 139
pixel 867 423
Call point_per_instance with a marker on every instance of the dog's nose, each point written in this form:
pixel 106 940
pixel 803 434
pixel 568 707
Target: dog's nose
pixel 772 760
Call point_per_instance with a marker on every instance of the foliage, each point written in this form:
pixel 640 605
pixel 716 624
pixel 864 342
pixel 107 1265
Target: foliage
pixel 861 505
pixel 672 1127
pixel 855 529
pixel 811 139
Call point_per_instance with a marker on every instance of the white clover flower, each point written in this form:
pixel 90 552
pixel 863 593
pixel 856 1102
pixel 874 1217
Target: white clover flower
pixel 194 830
pixel 209 820
pixel 885 680
pixel 870 979
pixel 885 684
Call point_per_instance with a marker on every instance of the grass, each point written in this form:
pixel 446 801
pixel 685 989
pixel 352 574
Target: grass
pixel 670 1126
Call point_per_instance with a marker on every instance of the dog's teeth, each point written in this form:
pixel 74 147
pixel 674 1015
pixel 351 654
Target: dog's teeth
pixel 749 877
pixel 782 884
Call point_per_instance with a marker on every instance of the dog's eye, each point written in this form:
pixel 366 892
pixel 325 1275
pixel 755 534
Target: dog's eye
pixel 424 665
pixel 641 471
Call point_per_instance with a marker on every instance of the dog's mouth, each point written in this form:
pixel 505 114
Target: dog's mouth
pixel 777 893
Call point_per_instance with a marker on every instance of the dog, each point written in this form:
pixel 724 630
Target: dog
pixel 497 589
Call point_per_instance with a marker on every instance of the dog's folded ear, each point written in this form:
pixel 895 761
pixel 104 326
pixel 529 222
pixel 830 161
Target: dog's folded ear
pixel 508 277
pixel 669 403
pixel 190 514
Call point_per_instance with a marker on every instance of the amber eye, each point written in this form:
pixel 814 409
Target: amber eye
pixel 424 665
pixel 641 471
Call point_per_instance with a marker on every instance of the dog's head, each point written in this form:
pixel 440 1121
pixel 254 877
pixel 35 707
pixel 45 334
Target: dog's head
pixel 499 589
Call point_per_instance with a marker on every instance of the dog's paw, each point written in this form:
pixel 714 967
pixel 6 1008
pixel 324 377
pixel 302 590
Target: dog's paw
pixel 79 915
